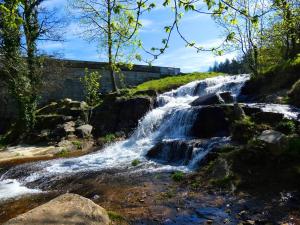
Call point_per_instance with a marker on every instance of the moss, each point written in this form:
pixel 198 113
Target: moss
pixel 177 176
pixel 78 144
pixel 170 193
pixel 243 130
pixel 109 138
pixel 223 182
pixel 116 217
pixel 62 153
pixel 286 126
pixel 135 162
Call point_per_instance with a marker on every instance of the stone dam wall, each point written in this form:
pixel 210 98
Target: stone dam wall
pixel 61 80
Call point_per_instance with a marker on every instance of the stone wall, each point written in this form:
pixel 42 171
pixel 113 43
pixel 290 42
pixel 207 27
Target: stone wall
pixel 61 80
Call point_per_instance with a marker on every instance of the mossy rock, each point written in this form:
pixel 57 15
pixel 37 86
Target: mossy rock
pixel 243 130
pixel 294 94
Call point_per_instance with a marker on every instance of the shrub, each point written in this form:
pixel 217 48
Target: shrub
pixel 177 176
pixel 286 127
pixel 109 138
pixel 78 144
pixel 135 162
pixel 63 153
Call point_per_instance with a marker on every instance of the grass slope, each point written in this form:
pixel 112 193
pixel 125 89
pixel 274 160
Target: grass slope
pixel 168 83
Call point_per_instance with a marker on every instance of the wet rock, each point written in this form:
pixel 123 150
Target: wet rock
pixel 294 94
pixel 227 97
pixel 272 137
pixel 210 99
pixel 84 131
pixel 51 121
pixel 250 111
pixel 66 145
pixel 211 121
pixel 268 117
pixel 119 114
pixel 63 210
pixel 173 152
pixel 239 113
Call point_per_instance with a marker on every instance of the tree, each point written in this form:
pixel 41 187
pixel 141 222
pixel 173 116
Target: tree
pixel 114 25
pixel 91 84
pixel 22 64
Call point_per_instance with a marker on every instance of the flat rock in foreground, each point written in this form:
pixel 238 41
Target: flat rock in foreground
pixel 64 210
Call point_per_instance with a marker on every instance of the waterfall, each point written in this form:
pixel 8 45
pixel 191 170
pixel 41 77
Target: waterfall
pixel 171 120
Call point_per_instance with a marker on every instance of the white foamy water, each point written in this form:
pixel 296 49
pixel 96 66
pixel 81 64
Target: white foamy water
pixel 288 111
pixel 171 120
pixel 11 188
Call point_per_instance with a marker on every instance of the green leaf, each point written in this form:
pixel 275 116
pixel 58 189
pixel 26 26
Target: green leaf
pixel 167 29
pixel 166 2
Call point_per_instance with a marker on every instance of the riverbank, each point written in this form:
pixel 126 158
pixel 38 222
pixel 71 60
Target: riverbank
pixel 157 199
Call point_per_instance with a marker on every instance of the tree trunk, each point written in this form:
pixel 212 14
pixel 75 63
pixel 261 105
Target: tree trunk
pixel 110 43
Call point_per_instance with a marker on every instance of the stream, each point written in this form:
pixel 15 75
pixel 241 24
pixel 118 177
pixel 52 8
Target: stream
pixel 171 120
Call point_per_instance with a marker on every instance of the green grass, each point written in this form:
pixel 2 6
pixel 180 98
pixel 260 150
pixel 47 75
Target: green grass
pixel 115 216
pixel 109 138
pixel 78 144
pixel 63 153
pixel 177 176
pixel 168 83
pixel 135 162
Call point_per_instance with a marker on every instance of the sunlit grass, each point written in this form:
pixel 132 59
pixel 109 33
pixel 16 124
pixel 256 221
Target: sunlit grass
pixel 168 83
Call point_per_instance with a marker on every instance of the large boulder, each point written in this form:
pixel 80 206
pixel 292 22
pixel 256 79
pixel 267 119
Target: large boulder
pixel 227 97
pixel 210 99
pixel 84 131
pixel 211 121
pixel 172 152
pixel 64 210
pixel 119 114
pixel 271 118
pixel 272 137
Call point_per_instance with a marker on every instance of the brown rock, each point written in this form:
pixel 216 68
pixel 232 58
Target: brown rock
pixel 64 210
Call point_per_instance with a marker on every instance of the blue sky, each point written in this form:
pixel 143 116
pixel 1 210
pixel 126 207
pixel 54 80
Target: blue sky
pixel 197 27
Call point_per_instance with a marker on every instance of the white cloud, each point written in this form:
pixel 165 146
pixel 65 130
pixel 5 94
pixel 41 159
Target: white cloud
pixel 50 4
pixel 146 22
pixel 48 45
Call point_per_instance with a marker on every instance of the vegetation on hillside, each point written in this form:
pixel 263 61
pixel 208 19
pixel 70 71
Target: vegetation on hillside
pixel 171 82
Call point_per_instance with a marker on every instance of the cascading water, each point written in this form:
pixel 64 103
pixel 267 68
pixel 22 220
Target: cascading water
pixel 171 120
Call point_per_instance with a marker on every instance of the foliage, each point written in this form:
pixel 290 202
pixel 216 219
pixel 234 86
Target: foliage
pixel 230 67
pixel 135 162
pixel 78 144
pixel 286 127
pixel 63 153
pixel 109 138
pixel 177 176
pixel 114 26
pixel 91 84
pixel 22 25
